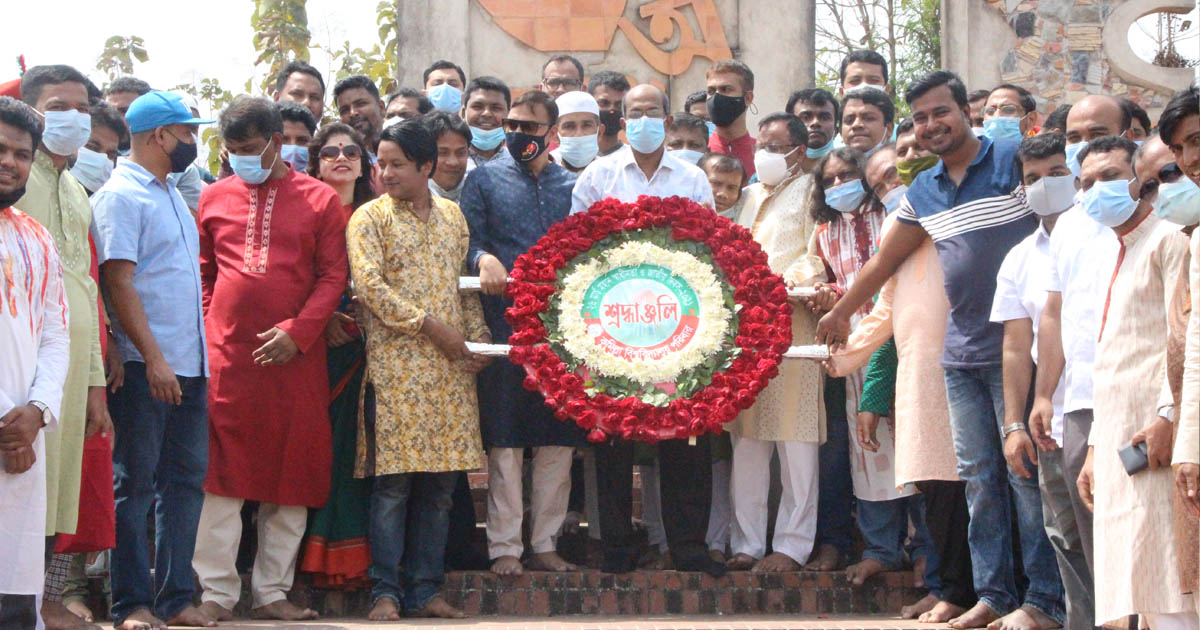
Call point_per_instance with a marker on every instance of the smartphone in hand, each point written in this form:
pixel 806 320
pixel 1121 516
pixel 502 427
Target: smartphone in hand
pixel 1134 457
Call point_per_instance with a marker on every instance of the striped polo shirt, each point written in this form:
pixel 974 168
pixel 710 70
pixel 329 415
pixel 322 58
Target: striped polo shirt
pixel 973 224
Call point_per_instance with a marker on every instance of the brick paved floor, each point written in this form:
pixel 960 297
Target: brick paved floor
pixel 611 623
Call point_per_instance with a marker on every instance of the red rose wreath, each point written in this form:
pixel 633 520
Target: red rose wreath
pixel 759 333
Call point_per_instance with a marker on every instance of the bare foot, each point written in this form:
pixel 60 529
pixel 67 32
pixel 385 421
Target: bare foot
pixel 1024 618
pixel 384 609
pixel 80 609
pixel 922 606
pixel 858 573
pixel 717 555
pixel 825 558
pixel 437 607
pixel 216 611
pixel 941 613
pixel 918 571
pixel 141 619
pixel 978 617
pixel 741 562
pixel 284 610
pixel 654 560
pixel 507 565
pixel 550 561
pixel 57 617
pixel 192 617
pixel 776 563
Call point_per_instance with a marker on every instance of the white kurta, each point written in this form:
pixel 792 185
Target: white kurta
pixel 34 342
pixel 1135 552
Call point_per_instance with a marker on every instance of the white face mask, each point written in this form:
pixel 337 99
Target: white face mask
pixel 772 168
pixel 92 169
pixel 872 86
pixel 892 199
pixel 1051 195
pixel 66 132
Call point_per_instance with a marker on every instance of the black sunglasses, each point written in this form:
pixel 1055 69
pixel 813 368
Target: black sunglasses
pixel 530 127
pixel 1168 174
pixel 329 153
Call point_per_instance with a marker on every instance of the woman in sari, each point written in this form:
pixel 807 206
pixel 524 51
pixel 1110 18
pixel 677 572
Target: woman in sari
pixel 335 548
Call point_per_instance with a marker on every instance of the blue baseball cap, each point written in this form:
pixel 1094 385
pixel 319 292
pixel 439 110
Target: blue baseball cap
pixel 156 109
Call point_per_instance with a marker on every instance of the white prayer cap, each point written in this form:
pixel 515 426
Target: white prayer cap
pixel 188 100
pixel 576 102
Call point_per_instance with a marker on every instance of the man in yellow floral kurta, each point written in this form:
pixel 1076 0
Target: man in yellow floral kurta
pixel 420 419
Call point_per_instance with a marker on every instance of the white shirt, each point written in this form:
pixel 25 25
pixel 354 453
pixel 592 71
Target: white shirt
pixel 619 177
pixel 1021 294
pixel 1084 254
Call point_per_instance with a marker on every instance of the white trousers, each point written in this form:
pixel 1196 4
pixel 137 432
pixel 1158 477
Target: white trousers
pixel 796 524
pixel 280 531
pixel 719 513
pixel 547 498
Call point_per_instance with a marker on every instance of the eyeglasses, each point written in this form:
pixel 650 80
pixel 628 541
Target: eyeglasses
pixel 779 148
pixel 1147 190
pixel 330 153
pixel 635 114
pixel 570 84
pixel 529 127
pixel 1008 111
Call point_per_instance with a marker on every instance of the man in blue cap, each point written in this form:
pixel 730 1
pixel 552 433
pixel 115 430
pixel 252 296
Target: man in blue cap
pixel 148 247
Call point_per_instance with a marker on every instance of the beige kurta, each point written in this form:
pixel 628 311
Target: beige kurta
pixel 913 308
pixel 60 204
pixel 1187 442
pixel 1135 552
pixel 792 407
pixel 404 270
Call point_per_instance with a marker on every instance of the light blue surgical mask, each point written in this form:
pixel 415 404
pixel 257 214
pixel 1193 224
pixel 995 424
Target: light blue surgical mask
pixel 249 167
pixel 686 155
pixel 445 97
pixel 645 134
pixel 296 155
pixel 1073 156
pixel 816 154
pixel 892 199
pixel 579 151
pixel 978 131
pixel 1178 202
pixel 92 169
pixel 1003 128
pixel 846 197
pixel 487 139
pixel 712 127
pixel 1109 203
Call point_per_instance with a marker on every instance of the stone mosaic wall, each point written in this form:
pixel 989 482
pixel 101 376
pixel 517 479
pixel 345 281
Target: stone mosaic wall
pixel 1059 55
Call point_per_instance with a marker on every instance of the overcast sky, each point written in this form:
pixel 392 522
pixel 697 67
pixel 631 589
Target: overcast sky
pixel 191 41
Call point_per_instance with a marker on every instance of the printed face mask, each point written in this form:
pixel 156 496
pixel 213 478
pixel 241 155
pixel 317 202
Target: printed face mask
pixel 525 147
pixel 1051 195
pixel 909 169
pixel 1109 203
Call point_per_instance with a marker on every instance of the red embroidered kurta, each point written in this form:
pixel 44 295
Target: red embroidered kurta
pixel 272 255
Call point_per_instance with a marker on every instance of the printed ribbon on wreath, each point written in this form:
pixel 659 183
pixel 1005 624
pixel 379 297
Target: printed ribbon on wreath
pixel 647 321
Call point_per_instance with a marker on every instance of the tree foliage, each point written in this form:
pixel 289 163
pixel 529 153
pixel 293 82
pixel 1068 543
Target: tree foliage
pixel 380 61
pixel 906 32
pixel 280 35
pixel 119 55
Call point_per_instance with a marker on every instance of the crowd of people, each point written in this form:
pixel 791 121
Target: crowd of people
pixel 1009 410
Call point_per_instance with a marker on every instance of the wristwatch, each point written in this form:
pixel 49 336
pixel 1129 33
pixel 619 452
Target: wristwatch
pixel 40 406
pixel 1013 428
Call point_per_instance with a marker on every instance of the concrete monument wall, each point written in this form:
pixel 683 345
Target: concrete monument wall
pixel 1060 50
pixel 666 42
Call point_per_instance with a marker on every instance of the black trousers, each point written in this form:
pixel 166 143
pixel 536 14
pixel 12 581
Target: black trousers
pixel 946 517
pixel 18 612
pixel 685 483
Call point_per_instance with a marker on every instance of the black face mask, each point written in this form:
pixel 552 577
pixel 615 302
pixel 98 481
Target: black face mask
pixel 9 198
pixel 723 110
pixel 524 147
pixel 182 155
pixel 611 120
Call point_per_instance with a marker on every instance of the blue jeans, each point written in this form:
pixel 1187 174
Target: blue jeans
pixel 976 399
pixel 884 527
pixel 160 454
pixel 835 491
pixel 423 557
